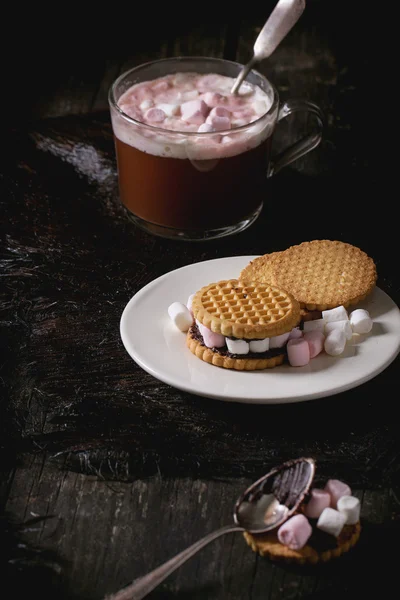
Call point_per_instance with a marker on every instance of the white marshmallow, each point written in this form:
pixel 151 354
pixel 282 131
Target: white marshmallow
pixel 169 109
pixel 237 346
pixel 180 315
pixel 146 104
pixel 360 321
pixel 335 342
pixel 206 128
pixel 341 326
pixel 335 314
pixel 350 507
pixel 189 303
pixel 278 341
pixel 331 521
pixel 219 123
pixel 316 325
pixel 259 345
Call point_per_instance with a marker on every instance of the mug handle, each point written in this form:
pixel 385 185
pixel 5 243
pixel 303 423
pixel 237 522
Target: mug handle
pixel 306 143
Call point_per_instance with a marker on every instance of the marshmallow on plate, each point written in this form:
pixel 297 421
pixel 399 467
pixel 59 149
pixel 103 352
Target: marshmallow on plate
pixel 210 338
pixel 331 521
pixel 316 325
pixel 315 339
pixel 189 303
pixel 237 346
pixel 180 315
pixel 342 326
pixel 298 352
pixel 278 341
pixel 360 321
pixel 335 314
pixel 320 499
pixel 295 532
pixel 259 345
pixel 349 506
pixel 336 489
pixel 295 333
pixel 335 342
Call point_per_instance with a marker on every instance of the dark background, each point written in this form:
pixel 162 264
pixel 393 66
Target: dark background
pixel 103 467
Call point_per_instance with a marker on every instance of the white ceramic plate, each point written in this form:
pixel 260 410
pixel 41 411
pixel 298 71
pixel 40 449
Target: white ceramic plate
pixel 155 344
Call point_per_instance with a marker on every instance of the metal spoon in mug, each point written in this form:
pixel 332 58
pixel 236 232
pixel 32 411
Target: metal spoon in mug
pixel 265 505
pixel 285 14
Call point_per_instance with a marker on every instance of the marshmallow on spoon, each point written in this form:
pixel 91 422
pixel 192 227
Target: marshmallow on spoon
pixel 180 316
pixel 295 532
pixel 331 521
pixel 341 326
pixel 335 342
pixel 360 321
pixel 315 340
pixel 335 314
pixel 336 489
pixel 349 506
pixel 319 500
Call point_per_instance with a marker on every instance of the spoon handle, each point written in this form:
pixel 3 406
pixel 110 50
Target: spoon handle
pixel 144 585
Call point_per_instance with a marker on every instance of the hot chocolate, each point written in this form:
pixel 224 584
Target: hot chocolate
pixel 190 154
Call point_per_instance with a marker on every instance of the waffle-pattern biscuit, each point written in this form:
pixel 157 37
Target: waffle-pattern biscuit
pixel 323 274
pixel 268 545
pixel 259 269
pixel 230 362
pixel 245 310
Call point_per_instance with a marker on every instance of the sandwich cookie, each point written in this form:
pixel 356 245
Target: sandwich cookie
pixel 250 322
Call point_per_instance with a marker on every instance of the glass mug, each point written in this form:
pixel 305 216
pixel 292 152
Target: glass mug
pixel 167 185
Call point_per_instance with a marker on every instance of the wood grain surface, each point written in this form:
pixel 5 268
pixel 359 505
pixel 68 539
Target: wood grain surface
pixel 105 471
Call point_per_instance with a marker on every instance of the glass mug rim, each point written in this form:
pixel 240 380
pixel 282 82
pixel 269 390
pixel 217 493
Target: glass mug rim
pixel 114 103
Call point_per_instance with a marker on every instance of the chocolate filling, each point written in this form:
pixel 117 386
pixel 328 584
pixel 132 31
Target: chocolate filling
pixel 196 335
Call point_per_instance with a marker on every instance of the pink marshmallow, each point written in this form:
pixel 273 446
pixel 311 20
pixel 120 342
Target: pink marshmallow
pixel 212 99
pixel 337 489
pixel 219 123
pixel 295 333
pixel 155 115
pixel 160 86
pixel 295 532
pixel 220 111
pixel 298 352
pixel 211 339
pixel 320 499
pixel 194 111
pixel 315 339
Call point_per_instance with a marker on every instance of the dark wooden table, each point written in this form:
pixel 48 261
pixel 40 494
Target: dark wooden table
pixel 105 471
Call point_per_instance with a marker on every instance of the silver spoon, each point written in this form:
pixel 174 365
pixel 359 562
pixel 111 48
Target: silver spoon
pixel 257 510
pixel 285 14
